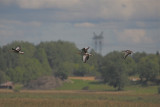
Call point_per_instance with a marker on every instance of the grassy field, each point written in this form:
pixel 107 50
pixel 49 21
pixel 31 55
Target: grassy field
pixel 72 95
pixel 78 84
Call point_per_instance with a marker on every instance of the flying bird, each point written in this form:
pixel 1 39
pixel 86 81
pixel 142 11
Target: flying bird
pixel 126 53
pixel 86 57
pixel 84 50
pixel 17 50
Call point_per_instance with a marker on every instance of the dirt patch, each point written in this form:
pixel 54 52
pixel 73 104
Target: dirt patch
pixel 83 78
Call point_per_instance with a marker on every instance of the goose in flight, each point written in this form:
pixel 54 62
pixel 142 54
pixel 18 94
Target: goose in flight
pixel 85 57
pixel 17 50
pixel 84 50
pixel 126 53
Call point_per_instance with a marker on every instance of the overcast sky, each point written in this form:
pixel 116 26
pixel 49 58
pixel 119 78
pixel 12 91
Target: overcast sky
pixel 126 24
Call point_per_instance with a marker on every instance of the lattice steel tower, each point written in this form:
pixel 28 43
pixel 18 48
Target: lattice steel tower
pixel 98 39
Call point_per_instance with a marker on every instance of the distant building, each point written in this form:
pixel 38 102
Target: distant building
pixel 8 85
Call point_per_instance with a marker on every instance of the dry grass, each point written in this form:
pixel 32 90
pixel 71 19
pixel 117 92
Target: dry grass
pixel 82 78
pixel 25 102
pixel 76 98
pixel 93 78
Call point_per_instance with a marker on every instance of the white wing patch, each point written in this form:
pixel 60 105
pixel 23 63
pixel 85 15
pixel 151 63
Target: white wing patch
pixel 84 58
pixel 18 48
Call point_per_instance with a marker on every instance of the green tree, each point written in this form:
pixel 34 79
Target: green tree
pixel 131 66
pixel 96 62
pixel 113 70
pixel 61 74
pixel 16 74
pixel 2 60
pixel 58 52
pixel 2 77
pixel 137 56
pixel 148 68
pixel 158 57
pixel 23 68
pixel 42 57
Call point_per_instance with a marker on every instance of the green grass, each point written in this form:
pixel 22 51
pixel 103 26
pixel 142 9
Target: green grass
pixel 98 86
pixel 80 84
pixel 138 89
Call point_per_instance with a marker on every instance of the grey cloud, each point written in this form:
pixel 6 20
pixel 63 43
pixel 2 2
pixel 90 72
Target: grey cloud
pixel 95 9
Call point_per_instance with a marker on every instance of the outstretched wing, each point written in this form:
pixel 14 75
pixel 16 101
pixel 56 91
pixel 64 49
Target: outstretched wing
pixel 126 54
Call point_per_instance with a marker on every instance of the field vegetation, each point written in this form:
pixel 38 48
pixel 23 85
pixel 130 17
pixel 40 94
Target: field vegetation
pixel 71 94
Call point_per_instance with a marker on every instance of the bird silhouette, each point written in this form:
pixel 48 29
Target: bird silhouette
pixel 17 50
pixel 85 55
pixel 126 53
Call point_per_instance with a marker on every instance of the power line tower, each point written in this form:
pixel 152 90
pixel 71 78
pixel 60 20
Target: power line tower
pixel 98 39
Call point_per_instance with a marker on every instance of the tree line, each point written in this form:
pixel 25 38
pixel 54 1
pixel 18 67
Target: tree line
pixel 60 59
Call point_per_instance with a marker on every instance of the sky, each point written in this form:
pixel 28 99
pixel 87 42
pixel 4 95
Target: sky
pixel 126 24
